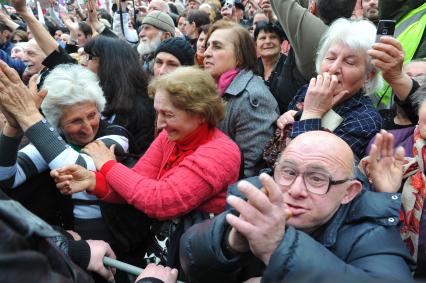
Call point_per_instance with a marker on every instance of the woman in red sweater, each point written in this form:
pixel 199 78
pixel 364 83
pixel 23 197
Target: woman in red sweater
pixel 185 171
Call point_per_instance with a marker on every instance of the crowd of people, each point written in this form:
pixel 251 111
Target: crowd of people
pixel 171 135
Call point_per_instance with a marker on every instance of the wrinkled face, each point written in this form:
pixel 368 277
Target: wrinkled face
pixel 33 58
pixel 155 6
pixel 150 39
pixel 201 44
pixel 268 44
pixel 348 65
pixel 80 123
pixel 220 54
pixel 165 63
pixel 310 211
pixel 416 69
pixel 176 122
pixel 370 10
pixel 17 53
pixel 181 25
pixel 193 5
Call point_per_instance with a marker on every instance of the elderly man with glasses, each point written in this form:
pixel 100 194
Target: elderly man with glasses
pixel 313 218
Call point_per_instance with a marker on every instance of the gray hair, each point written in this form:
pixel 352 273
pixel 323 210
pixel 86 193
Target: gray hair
pixel 357 35
pixel 68 85
pixel 418 98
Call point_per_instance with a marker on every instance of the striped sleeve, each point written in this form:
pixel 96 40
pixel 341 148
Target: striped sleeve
pixel 48 150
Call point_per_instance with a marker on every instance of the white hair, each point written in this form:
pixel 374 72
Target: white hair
pixel 358 35
pixel 68 85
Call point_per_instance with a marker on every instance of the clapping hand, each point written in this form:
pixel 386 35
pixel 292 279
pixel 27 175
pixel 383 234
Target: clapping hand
pixel 262 219
pixel 385 164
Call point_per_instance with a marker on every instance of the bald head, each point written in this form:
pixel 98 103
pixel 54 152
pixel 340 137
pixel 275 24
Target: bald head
pixel 323 145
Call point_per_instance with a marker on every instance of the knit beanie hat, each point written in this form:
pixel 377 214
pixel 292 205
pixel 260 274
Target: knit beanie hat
pixel 160 20
pixel 178 47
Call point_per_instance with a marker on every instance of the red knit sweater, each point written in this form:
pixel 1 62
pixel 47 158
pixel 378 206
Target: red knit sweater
pixel 198 182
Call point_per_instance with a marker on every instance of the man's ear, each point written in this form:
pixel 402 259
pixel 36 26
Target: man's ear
pixel 371 74
pixel 352 191
pixel 166 35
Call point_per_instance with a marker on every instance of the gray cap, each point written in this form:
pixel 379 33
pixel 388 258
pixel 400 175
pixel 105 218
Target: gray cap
pixel 160 20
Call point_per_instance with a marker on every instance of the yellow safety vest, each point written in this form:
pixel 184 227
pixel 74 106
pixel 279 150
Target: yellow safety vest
pixel 409 31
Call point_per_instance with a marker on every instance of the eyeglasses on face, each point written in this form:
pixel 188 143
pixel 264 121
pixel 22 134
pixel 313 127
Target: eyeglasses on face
pixel 315 181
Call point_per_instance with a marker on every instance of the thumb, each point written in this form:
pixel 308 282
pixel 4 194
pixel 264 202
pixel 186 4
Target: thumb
pixel 32 84
pixel 39 97
pixel 112 148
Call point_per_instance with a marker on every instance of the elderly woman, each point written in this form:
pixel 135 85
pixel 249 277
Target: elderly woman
pixel 269 37
pixel 184 174
pixel 337 98
pixel 251 110
pixel 72 120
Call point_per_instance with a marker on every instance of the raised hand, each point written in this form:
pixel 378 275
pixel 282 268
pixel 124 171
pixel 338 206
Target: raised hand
pixel 16 98
pixel 70 24
pixel 385 164
pixel 73 178
pixel 19 5
pixel 99 153
pixel 262 217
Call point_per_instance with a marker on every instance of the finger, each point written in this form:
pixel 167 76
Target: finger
pixel 274 192
pixel 333 83
pixel 32 84
pixel 391 41
pixel 246 209
pixel 255 197
pixel 320 80
pixel 174 273
pixel 109 252
pixel 239 224
pixel 326 80
pixel 384 151
pixel 112 148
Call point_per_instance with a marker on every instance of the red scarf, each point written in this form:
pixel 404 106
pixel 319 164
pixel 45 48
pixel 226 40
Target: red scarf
pixel 225 80
pixel 187 146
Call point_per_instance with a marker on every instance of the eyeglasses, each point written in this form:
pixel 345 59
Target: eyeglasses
pixel 316 182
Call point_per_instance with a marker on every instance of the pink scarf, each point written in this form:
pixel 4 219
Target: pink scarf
pixel 226 79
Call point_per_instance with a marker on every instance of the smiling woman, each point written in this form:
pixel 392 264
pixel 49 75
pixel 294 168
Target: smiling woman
pixel 183 176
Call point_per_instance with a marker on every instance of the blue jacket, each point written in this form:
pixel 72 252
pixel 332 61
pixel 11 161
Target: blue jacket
pixel 361 241
pixel 18 65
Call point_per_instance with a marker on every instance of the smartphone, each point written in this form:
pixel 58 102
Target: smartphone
pixel 385 27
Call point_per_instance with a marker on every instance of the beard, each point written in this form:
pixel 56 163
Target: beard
pixel 146 47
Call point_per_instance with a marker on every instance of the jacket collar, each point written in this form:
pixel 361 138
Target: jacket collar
pixel 370 207
pixel 239 84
